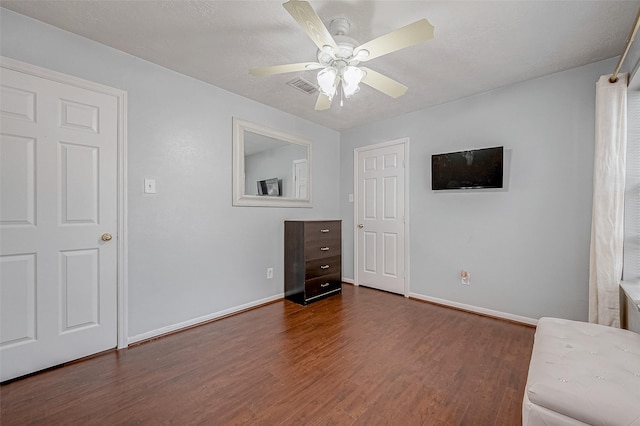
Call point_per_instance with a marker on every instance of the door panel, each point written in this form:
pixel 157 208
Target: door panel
pixel 58 158
pixel 390 249
pixel 17 103
pixel 17 180
pixel 79 289
pixel 18 299
pixel 390 197
pixel 77 116
pixel 380 215
pixel 79 184
pixel 370 199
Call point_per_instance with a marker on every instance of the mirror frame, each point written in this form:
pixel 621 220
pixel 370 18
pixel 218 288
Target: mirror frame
pixel 240 198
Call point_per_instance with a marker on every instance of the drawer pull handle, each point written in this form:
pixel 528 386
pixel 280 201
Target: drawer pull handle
pixel 324 231
pixel 324 285
pixel 324 248
pixel 324 266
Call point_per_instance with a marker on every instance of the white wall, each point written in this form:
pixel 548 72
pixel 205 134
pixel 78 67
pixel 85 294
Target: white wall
pixel 526 247
pixel 187 245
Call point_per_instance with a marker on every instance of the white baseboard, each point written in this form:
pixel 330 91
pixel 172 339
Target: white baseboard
pixel 476 309
pixel 348 280
pixel 190 323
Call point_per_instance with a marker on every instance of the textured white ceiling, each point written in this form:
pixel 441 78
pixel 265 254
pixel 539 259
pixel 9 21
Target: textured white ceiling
pixel 478 45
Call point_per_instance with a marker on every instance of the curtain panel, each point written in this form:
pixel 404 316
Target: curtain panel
pixel 607 226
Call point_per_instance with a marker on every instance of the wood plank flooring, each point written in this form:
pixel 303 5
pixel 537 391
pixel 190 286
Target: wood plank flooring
pixel 363 358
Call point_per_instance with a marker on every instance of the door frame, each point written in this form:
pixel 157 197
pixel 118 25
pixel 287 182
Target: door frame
pixel 402 141
pixel 122 208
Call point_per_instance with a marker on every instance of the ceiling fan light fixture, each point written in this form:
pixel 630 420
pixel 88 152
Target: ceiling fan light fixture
pixel 351 77
pixel 327 80
pixel 362 55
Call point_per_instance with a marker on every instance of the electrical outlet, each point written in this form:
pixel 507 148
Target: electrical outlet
pixel 465 278
pixel 269 273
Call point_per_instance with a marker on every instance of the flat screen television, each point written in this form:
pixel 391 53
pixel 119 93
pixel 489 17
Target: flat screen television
pixel 476 168
pixel 270 187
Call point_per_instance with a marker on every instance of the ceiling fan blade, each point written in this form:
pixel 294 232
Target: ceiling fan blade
pixel 309 20
pixel 323 102
pixel 407 36
pixel 281 69
pixel 383 83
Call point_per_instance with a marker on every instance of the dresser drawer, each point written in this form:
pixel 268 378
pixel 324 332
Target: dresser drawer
pixel 325 266
pixel 322 285
pixel 322 249
pixel 315 232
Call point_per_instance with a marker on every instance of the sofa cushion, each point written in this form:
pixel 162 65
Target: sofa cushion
pixel 585 371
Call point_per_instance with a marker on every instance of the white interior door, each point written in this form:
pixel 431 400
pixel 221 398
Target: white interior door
pixel 380 217
pixel 301 178
pixel 58 196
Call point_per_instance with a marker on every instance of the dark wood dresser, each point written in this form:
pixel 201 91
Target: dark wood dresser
pixel 312 259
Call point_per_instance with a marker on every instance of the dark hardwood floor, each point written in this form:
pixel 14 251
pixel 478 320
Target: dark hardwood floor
pixel 365 357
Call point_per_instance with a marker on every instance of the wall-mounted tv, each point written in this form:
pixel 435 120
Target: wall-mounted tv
pixel 477 168
pixel 270 187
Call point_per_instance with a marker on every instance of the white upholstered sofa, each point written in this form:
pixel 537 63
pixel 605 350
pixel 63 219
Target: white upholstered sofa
pixel 582 373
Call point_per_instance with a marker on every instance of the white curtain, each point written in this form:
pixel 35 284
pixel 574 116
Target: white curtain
pixel 607 226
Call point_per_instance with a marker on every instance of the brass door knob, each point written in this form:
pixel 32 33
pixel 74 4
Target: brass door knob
pixel 360 225
pixel 106 237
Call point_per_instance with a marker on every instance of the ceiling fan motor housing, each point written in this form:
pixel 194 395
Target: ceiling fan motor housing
pixel 346 46
pixel 339 28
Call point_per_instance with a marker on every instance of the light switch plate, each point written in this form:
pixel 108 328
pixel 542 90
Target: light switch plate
pixel 149 186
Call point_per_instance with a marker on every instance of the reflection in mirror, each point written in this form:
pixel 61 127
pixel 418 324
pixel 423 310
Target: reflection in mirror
pixel 271 168
pixel 267 158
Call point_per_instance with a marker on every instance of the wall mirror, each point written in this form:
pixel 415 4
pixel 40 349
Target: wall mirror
pixel 270 168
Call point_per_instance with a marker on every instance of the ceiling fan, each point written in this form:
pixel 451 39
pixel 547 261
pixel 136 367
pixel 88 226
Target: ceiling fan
pixel 339 55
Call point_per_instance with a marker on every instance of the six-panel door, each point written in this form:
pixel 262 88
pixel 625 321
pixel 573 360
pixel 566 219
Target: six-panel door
pixel 58 177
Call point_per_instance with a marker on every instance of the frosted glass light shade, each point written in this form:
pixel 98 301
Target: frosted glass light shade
pixel 351 77
pixel 327 81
